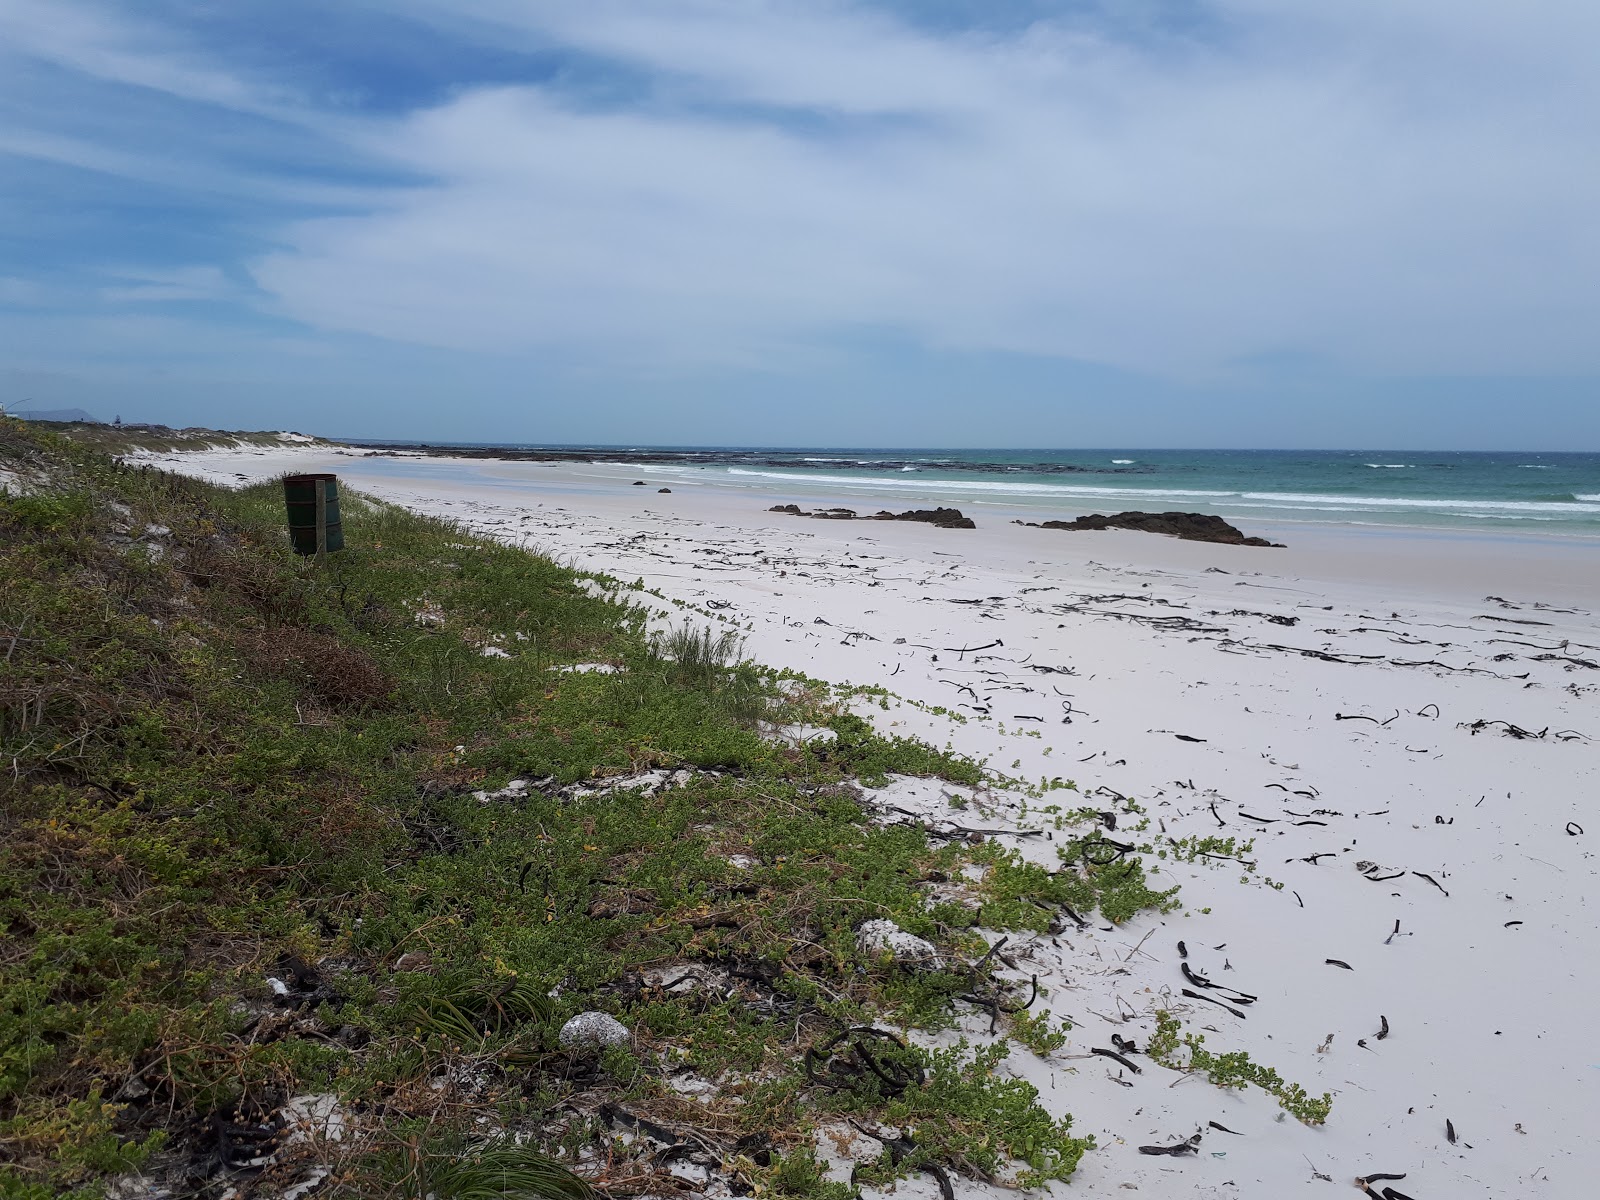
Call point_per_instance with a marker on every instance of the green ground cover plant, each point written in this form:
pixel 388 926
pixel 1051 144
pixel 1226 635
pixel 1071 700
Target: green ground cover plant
pixel 1181 1051
pixel 259 839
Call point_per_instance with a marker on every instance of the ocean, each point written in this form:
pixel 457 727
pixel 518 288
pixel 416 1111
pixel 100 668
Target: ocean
pixel 1499 492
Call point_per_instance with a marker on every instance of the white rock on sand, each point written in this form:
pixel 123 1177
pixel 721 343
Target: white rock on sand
pixel 1323 702
pixel 883 936
pixel 593 1029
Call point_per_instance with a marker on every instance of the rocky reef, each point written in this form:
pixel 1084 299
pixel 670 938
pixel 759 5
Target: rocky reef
pixel 1191 527
pixel 944 518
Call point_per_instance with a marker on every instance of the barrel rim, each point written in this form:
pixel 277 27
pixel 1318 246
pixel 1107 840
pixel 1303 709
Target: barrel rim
pixel 312 478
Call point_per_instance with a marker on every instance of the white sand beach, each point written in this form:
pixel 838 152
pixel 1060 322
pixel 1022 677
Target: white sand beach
pixel 1417 765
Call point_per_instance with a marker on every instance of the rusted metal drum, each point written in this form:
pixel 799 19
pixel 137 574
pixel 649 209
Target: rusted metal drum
pixel 313 505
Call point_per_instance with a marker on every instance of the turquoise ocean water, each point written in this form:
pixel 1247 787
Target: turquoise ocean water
pixel 1484 492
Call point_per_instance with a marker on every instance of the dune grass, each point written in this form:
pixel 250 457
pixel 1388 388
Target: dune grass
pixel 256 843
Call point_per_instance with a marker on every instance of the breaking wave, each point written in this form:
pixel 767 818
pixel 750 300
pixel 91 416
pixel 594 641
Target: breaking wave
pixel 1584 505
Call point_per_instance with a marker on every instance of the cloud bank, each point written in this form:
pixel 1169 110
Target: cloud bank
pixel 1394 186
pixel 1199 191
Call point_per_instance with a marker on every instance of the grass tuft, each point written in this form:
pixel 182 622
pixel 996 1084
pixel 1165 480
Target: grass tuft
pixel 502 1172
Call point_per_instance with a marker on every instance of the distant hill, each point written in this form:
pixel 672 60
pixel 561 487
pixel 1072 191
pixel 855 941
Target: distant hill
pixel 58 414
pixel 131 437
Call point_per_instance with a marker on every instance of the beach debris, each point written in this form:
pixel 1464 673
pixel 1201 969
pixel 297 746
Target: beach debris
pixel 1362 717
pixel 1190 1145
pixel 1450 1131
pixel 1190 527
pixel 848 1057
pixel 1112 1054
pixel 1568 659
pixel 1272 618
pixel 1430 879
pixel 1338 962
pixel 1365 1182
pixel 881 935
pixel 592 1029
pixel 989 993
pixel 1507 728
pixel 1224 1128
pixel 1067 911
pixel 899 1146
pixel 618 1117
pixel 1194 995
pixel 1201 981
pixel 1574 829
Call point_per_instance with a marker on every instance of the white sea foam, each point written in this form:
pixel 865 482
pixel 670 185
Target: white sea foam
pixel 1592 497
pixel 1123 461
pixel 1581 506
pixel 1527 506
pixel 1390 466
pixel 873 483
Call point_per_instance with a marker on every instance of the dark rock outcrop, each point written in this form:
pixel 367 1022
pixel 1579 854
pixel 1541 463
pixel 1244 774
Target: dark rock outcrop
pixel 943 518
pixel 663 491
pixel 1191 527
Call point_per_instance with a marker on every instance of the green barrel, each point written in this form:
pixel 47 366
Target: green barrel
pixel 313 504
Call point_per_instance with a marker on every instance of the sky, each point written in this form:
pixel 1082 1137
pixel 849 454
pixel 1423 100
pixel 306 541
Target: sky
pixel 959 223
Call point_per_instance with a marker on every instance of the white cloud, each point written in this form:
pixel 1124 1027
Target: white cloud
pixel 96 41
pixel 1402 186
pixel 1389 185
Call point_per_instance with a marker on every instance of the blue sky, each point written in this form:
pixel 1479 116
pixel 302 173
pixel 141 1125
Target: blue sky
pixel 1152 222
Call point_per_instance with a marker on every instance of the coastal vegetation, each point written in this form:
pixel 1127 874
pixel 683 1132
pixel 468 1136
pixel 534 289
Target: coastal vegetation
pixel 307 867
pixel 120 439
pixel 1180 1051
